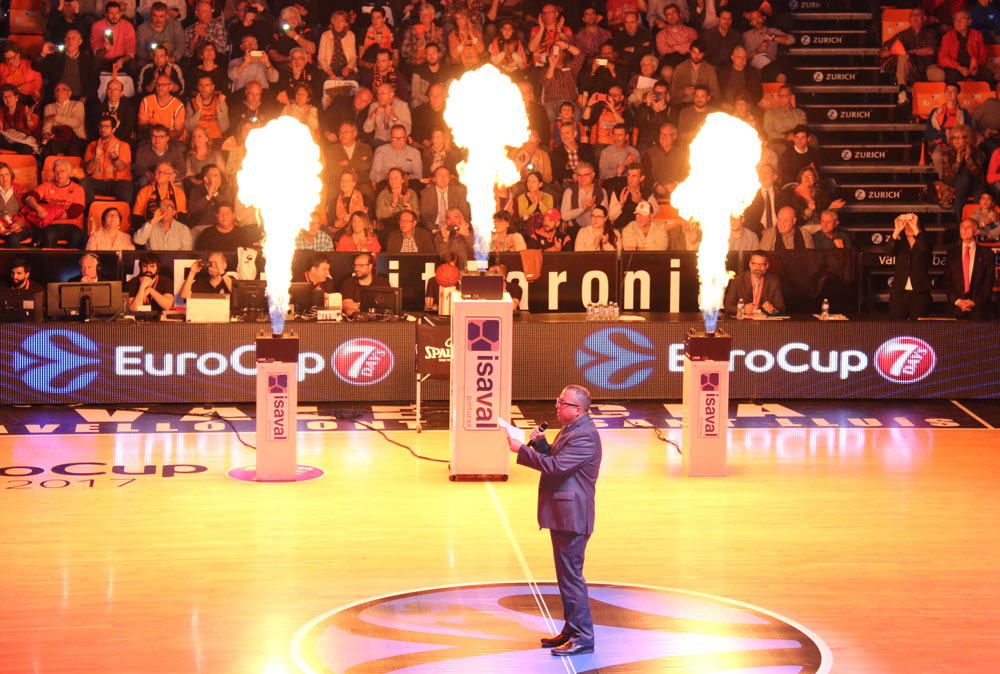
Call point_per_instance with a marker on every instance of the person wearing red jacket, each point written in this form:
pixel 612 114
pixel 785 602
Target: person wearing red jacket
pixel 962 54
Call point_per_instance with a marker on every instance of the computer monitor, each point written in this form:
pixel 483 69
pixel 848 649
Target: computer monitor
pixel 84 300
pixel 381 300
pixel 249 298
pixel 20 306
pixel 303 296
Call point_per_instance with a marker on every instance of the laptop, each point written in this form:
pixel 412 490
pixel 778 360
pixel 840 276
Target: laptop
pixel 207 308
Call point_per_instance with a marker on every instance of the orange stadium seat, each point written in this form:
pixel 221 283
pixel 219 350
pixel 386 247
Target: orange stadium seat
pixel 894 21
pixel 926 97
pixel 968 209
pixel 770 98
pixel 25 169
pixel 75 162
pixel 972 94
pixel 26 17
pixel 96 212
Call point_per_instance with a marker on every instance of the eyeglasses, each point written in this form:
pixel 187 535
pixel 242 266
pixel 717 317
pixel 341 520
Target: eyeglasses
pixel 584 175
pixel 563 403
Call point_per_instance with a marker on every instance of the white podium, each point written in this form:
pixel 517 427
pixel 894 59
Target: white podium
pixel 277 402
pixel 705 440
pixel 480 387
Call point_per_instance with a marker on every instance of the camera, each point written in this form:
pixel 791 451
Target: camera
pixel 256 53
pixel 203 264
pixel 657 97
pixel 601 62
pixel 453 229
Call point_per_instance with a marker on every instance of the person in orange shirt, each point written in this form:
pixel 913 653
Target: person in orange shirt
pixel 163 108
pixel 108 164
pixel 16 70
pixel 55 200
pixel 149 198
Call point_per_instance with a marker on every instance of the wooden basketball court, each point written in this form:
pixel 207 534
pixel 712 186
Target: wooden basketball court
pixel 881 542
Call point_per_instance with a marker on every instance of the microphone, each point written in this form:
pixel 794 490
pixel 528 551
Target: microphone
pixel 542 426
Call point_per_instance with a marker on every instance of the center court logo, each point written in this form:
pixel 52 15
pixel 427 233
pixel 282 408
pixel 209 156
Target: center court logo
pixel 616 358
pixel 56 361
pixel 905 360
pixel 494 628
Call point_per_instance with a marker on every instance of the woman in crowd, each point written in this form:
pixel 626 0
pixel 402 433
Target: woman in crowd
pixel 507 52
pixel 505 239
pixel 290 33
pixel 348 201
pixel 13 228
pixel 809 199
pixel 360 235
pixel 301 109
pixel 534 200
pixel 532 157
pixel 110 236
pixel 201 153
pixel 18 123
pixel 961 174
pixel 338 49
pixel 601 235
pixel 440 153
pixel 395 198
pixel 206 66
pixel 465 43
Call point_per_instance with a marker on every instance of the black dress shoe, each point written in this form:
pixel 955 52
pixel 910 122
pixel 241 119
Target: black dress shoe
pixel 557 640
pixel 572 648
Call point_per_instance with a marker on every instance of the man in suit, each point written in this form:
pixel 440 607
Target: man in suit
pixel 910 293
pixel 566 157
pixel 569 469
pixel 756 217
pixel 969 275
pixel 350 153
pixel 785 235
pixel 410 237
pixel 758 291
pixel 442 194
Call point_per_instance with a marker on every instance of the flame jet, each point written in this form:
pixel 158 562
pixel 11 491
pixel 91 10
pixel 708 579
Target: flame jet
pixel 722 182
pixel 281 177
pixel 486 115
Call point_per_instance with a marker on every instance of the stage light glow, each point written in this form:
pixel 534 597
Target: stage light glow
pixel 281 177
pixel 722 182
pixel 486 115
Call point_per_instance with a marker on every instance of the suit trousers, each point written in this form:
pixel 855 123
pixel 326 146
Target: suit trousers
pixel 568 549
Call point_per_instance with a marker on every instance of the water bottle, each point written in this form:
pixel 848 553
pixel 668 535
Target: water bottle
pixel 590 312
pixel 739 310
pixel 824 311
pixel 615 311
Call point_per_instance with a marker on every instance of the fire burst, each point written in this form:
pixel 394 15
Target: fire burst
pixel 281 177
pixel 722 182
pixel 486 114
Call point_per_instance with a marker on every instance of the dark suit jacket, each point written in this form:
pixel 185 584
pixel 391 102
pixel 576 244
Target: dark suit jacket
pixel 913 262
pixel 423 238
pixel 981 283
pixel 53 66
pixel 560 172
pixel 755 211
pixel 126 114
pixel 568 482
pixel 752 84
pixel 361 162
pixel 741 286
pixel 456 199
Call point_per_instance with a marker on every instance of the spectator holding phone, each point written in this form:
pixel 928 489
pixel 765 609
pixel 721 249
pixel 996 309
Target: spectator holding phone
pixel 208 276
pixel 163 231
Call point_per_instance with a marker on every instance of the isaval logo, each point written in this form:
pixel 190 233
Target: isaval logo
pixel 710 381
pixel 616 358
pixel 363 361
pixel 905 360
pixel 483 334
pixel 277 383
pixel 56 361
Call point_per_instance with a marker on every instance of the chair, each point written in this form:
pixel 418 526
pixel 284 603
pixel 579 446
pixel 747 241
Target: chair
pixel 30 44
pixel 894 21
pixel 972 94
pixel 75 162
pixel 926 97
pixel 25 169
pixel 96 212
pixel 26 17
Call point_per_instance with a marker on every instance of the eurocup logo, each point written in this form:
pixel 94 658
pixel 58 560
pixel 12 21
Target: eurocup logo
pixel 483 334
pixel 57 361
pixel 805 40
pixel 818 76
pixel 363 361
pixel 846 155
pixel 277 383
pixel 860 195
pixel 832 114
pixel 905 360
pixel 616 358
pixel 710 381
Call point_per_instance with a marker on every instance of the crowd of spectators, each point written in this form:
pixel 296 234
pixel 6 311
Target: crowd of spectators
pixel 152 106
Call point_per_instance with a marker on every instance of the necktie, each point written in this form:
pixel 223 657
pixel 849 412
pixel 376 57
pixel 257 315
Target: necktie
pixel 442 206
pixel 768 221
pixel 967 266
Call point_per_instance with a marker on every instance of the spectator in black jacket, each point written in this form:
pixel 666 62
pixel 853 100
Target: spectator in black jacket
pixel 910 294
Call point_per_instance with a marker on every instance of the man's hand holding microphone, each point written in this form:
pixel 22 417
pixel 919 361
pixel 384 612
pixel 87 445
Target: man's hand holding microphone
pixel 534 436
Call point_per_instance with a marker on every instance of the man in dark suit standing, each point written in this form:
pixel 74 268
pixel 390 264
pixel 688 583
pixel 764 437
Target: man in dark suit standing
pixel 758 291
pixel 969 275
pixel 569 469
